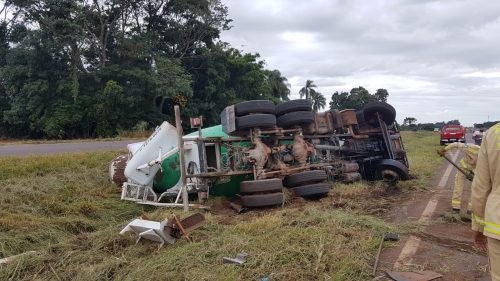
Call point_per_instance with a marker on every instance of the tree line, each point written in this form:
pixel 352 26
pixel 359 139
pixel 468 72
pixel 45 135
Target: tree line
pixel 356 98
pixel 89 68
pixel 410 124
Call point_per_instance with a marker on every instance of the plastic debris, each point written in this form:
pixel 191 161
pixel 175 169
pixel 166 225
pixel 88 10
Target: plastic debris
pixel 239 260
pixel 166 231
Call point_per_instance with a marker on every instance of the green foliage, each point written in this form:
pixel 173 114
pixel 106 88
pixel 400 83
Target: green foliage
pixel 453 122
pixel 409 121
pixel 309 93
pixel 356 98
pixel 92 68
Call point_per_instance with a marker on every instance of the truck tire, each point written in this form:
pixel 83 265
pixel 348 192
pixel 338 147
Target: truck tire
pixel 262 200
pixel 293 105
pixel 305 177
pixel 255 121
pixel 314 190
pixel 295 118
pixel 259 186
pixel 392 165
pixel 254 106
pixel 386 111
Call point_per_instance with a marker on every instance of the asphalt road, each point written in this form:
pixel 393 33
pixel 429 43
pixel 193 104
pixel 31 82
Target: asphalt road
pixel 468 138
pixel 48 148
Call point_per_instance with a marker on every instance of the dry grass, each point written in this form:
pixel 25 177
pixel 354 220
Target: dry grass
pixel 64 207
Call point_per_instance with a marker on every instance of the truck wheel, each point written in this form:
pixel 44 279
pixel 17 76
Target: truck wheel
pixel 386 111
pixel 293 105
pixel 295 118
pixel 257 186
pixel 254 106
pixel 390 170
pixel 315 190
pixel 262 200
pixel 305 177
pixel 255 121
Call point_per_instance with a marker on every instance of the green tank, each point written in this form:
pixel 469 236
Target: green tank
pixel 170 173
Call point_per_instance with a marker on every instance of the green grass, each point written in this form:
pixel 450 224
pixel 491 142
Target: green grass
pixel 63 207
pixel 421 147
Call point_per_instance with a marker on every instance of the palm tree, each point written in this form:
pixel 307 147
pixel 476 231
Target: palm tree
pixel 318 100
pixel 307 89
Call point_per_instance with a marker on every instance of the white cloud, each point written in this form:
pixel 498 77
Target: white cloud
pixel 438 59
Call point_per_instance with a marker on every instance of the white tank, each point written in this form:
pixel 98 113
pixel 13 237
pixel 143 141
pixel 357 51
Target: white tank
pixel 133 147
pixel 164 138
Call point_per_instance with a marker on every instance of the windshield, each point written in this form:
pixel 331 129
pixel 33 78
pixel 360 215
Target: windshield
pixel 453 129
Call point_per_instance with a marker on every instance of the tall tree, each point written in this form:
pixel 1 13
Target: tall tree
pixel 408 121
pixel 307 89
pixel 278 88
pixel 381 95
pixel 318 101
pixel 64 64
pixel 356 98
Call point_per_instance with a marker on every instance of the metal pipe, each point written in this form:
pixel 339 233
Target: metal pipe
pixel 182 160
pixel 327 147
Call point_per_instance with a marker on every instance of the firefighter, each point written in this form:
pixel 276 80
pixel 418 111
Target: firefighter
pixel 468 164
pixel 486 199
pixel 477 136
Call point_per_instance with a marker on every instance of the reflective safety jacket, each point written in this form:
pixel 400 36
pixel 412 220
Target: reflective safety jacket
pixel 486 186
pixel 470 150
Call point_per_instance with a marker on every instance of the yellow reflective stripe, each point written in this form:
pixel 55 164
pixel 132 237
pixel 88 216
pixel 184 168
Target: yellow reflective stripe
pixel 477 219
pixel 456 201
pixel 492 230
pixel 492 224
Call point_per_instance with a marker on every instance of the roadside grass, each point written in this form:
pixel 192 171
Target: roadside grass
pixel 64 207
pixel 421 149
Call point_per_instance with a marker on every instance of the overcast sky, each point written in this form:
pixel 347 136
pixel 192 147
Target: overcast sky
pixel 439 60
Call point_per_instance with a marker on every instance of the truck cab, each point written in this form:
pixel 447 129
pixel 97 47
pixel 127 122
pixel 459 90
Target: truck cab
pixel 452 133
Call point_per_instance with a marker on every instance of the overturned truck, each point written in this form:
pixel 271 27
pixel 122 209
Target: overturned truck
pixel 261 147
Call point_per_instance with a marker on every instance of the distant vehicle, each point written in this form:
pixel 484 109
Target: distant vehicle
pixel 452 133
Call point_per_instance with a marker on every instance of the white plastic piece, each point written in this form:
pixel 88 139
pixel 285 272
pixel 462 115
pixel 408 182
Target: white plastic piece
pixel 164 138
pixel 151 230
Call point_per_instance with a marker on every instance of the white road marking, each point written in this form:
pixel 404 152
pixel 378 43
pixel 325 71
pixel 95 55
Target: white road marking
pixel 407 252
pixel 413 242
pixel 431 206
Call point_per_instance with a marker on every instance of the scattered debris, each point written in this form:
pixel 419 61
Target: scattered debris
pixel 385 237
pixel 239 260
pixel 167 230
pixel 237 207
pixel 10 259
pixel 151 230
pixel 414 275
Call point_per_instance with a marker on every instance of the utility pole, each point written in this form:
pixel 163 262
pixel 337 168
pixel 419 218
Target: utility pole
pixel 182 160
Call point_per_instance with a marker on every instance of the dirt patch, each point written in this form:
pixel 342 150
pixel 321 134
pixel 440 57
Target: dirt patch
pixel 445 241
